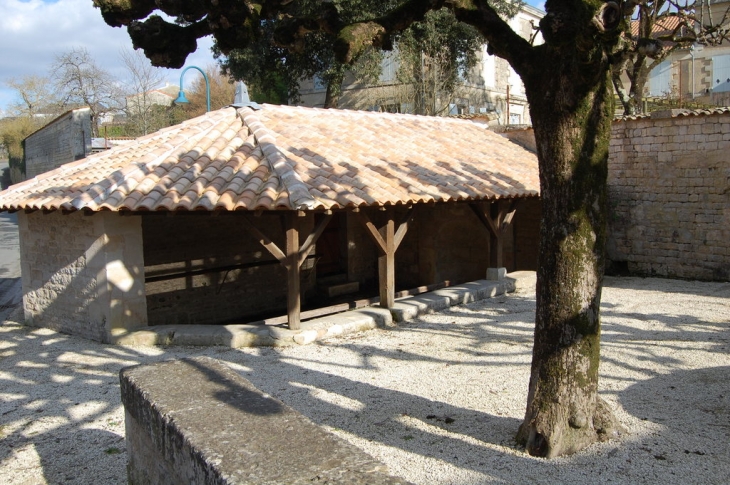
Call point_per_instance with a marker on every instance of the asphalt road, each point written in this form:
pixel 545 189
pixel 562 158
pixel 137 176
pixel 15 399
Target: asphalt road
pixel 10 288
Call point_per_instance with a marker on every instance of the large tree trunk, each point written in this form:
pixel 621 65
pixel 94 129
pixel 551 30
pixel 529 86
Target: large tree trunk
pixel 571 107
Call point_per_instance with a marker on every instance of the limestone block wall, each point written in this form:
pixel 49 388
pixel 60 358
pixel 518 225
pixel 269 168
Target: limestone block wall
pixel 82 275
pixel 669 190
pixel 453 244
pixel 65 139
pixel 526 236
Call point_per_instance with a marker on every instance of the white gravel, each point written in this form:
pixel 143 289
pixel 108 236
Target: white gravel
pixel 438 399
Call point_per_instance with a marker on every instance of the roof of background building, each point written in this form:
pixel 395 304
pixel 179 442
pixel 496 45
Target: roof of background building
pixel 662 26
pixel 675 113
pixel 283 157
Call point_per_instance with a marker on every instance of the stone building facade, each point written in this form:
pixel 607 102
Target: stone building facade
pixel 700 73
pixel 491 89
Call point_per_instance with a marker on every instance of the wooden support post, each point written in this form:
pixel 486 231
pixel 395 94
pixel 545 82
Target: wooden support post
pixel 386 265
pixel 495 237
pixel 293 275
pixel 291 258
pixel 387 239
pixel 497 222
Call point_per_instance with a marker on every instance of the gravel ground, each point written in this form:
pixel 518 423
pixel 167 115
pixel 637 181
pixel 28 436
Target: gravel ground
pixel 438 399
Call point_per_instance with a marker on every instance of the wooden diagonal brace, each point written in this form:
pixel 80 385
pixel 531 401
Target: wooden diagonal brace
pixel 265 241
pixel 311 240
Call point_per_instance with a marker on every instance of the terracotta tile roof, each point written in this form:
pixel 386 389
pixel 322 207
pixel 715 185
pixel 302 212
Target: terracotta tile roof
pixel 282 157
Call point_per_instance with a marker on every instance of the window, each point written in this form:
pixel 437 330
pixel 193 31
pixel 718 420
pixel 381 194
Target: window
pixel 390 108
pixel 319 83
pixel 721 74
pixel 488 67
pixel 389 67
pixel 660 79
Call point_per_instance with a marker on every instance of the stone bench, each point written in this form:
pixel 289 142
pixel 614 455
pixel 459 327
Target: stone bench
pixel 196 421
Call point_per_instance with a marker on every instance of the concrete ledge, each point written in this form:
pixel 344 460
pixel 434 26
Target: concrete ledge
pixel 259 335
pixel 198 421
pixel 411 307
pixel 327 327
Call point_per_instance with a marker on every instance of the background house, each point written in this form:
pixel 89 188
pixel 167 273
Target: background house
pixel 162 96
pixel 700 73
pixel 491 88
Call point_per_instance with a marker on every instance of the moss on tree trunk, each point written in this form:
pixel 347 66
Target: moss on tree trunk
pixel 571 108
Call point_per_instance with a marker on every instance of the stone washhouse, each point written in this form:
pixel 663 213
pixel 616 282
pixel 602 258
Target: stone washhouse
pixel 270 214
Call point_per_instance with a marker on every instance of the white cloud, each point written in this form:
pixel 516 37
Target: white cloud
pixel 33 32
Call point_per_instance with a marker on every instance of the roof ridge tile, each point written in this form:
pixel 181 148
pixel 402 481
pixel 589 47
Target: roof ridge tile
pixel 299 196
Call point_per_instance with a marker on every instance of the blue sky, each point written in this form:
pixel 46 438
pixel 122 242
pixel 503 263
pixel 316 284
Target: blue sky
pixel 33 32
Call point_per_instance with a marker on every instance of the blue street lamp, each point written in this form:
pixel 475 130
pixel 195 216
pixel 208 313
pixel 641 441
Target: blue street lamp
pixel 181 96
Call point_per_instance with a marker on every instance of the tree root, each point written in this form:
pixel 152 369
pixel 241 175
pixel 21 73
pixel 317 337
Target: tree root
pixel 564 436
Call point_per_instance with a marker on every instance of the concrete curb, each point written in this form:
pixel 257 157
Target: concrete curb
pixel 322 328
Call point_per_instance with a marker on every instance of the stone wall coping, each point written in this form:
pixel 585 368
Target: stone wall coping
pixel 198 421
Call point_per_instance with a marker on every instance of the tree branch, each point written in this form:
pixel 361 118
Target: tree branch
pixel 503 41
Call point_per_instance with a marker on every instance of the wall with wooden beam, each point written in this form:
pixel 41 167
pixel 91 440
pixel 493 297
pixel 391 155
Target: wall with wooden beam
pixel 204 269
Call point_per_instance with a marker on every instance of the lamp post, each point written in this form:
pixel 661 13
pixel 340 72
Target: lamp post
pixel 181 96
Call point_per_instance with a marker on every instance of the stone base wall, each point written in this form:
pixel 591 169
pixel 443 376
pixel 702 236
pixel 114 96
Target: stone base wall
pixel 669 190
pixel 81 274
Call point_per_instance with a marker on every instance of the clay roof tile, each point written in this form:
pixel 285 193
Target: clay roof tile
pixel 289 157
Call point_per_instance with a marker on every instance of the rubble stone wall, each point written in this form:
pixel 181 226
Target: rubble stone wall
pixel 82 275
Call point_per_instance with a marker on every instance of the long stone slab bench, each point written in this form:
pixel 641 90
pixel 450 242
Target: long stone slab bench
pixel 197 421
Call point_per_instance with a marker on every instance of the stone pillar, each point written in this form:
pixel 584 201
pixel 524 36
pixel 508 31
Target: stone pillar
pixel 120 269
pixel 496 274
pixel 83 274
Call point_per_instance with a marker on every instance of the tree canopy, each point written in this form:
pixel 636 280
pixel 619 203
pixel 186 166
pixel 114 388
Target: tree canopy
pixel 81 82
pixel 263 64
pixel 433 55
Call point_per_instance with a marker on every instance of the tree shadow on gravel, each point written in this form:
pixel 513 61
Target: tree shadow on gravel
pixel 698 318
pixel 692 407
pixel 459 410
pixel 379 413
pixel 59 414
